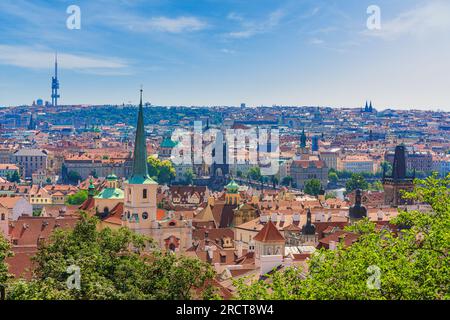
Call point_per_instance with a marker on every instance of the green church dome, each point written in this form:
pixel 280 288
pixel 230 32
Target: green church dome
pixel 232 187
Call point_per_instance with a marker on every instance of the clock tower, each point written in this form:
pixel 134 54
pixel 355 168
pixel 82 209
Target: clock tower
pixel 140 190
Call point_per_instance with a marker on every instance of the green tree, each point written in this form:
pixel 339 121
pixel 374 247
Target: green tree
pixel 162 171
pixel 5 252
pixel 74 177
pixel 312 187
pixel 14 177
pixel 331 195
pixel 113 264
pixel 413 263
pixel 386 166
pixel 376 186
pixel 286 181
pixel 166 172
pixel 188 177
pixel 77 198
pixel 333 177
pixel 255 174
pixel 274 181
pixel 356 181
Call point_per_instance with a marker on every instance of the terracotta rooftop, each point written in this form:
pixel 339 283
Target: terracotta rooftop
pixel 269 233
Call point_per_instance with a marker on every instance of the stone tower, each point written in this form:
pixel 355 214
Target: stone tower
pixel 398 181
pixel 140 190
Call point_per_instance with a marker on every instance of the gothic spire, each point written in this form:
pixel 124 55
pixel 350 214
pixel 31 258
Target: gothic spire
pixel 303 139
pixel 140 171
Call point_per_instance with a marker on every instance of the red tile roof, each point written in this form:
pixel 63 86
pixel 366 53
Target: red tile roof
pixel 269 233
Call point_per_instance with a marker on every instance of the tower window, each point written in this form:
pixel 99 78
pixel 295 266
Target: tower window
pixel 144 194
pixel 145 216
pixel 3 217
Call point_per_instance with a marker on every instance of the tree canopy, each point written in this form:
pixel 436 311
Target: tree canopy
pixel 356 181
pixel 77 198
pixel 410 262
pixel 162 171
pixel 312 187
pixel 5 252
pixel 112 264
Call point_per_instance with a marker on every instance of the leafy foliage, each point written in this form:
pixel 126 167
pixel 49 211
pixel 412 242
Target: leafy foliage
pixel 413 262
pixel 114 264
pixel 286 181
pixel 356 181
pixel 162 171
pixel 312 187
pixel 77 198
pixel 5 252
pixel 333 177
pixel 254 173
pixel 73 177
pixel 14 177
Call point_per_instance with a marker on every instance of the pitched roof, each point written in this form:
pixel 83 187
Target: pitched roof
pixel 88 204
pixel 9 202
pixel 269 233
pixel 115 215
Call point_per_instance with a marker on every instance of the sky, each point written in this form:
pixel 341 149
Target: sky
pixel 227 52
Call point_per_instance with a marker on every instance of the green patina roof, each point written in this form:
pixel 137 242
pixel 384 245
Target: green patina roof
pixel 111 177
pixel 91 189
pixel 141 180
pixel 140 170
pixel 111 193
pixel 168 143
pixel 232 187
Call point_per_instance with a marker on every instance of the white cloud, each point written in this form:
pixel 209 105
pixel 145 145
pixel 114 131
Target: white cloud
pixel 316 41
pixel 251 28
pixel 228 51
pixel 29 57
pixel 161 24
pixel 176 25
pixel 432 17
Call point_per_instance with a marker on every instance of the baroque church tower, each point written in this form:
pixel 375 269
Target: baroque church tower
pixel 140 190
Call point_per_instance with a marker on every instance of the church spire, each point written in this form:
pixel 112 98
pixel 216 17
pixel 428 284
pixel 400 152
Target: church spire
pixel 140 170
pixel 303 139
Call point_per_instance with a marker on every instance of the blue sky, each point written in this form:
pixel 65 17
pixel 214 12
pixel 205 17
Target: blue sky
pixel 224 52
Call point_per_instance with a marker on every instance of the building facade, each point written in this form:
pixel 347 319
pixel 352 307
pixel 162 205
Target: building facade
pixel 30 161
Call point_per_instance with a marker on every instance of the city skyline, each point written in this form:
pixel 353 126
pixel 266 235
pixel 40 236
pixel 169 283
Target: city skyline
pixel 317 53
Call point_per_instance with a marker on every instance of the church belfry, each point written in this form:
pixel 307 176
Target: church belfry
pixel 140 189
pixel 398 181
pixel 357 211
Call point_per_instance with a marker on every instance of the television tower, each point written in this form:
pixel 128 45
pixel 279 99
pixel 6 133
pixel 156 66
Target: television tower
pixel 55 84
